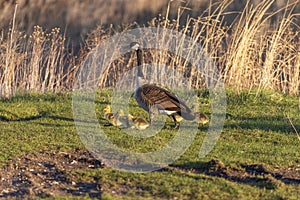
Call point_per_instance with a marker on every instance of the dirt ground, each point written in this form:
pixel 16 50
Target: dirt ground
pixel 47 174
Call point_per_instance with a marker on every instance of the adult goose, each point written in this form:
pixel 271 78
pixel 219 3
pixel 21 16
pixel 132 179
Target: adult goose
pixel 156 100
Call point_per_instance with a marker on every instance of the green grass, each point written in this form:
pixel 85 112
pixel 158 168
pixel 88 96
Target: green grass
pixel 32 122
pixel 256 131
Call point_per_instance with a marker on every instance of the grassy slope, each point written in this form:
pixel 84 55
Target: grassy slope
pixel 256 131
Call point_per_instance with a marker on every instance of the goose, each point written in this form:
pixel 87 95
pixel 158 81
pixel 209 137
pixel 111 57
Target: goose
pixel 139 123
pixel 157 100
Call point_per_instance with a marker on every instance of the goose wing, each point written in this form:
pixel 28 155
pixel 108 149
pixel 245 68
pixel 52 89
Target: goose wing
pixel 149 95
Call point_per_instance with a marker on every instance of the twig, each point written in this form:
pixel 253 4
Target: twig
pixel 13 26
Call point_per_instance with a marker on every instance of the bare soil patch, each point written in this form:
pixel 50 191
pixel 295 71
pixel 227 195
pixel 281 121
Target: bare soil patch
pixel 258 175
pixel 44 174
pixel 47 174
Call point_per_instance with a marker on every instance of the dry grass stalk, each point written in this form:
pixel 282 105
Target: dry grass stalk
pixel 36 63
pixel 251 53
pixel 297 133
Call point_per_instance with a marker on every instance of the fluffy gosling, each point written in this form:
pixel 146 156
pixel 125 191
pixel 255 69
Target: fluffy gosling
pixel 123 119
pixel 111 117
pixel 139 123
pixel 177 117
pixel 201 118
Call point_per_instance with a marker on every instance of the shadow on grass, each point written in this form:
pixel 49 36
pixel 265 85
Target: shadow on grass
pixel 20 119
pixel 255 175
pixel 47 115
pixel 43 114
pixel 266 123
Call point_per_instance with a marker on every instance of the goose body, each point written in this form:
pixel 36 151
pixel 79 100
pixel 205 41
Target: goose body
pixel 157 100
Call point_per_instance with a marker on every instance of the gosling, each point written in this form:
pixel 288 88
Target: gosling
pixel 201 118
pixel 123 119
pixel 111 117
pixel 138 123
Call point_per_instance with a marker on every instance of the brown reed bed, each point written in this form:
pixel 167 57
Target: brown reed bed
pixel 251 52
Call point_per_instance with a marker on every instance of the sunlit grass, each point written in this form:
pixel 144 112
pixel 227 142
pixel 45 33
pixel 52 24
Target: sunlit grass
pixel 256 131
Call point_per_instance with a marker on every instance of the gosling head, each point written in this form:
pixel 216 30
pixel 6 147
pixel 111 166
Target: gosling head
pixel 107 108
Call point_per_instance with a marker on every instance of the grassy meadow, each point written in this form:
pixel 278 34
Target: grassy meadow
pixel 256 156
pixel 255 48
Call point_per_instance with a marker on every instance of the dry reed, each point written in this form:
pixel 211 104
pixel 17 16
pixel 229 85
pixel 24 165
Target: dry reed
pixel 37 63
pixel 252 52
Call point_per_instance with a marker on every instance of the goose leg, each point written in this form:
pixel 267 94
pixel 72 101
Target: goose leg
pixel 175 121
pixel 151 116
pixel 153 110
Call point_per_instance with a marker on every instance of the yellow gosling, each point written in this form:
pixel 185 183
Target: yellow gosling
pixel 178 118
pixel 139 123
pixel 111 117
pixel 107 112
pixel 201 118
pixel 123 119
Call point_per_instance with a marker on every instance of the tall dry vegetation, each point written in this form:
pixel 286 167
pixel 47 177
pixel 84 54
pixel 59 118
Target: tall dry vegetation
pixel 38 62
pixel 76 17
pixel 251 52
pixel 261 54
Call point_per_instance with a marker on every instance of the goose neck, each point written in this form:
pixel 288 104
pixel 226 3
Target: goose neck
pixel 139 62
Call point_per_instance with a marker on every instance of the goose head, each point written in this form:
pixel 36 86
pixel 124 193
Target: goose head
pixel 135 46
